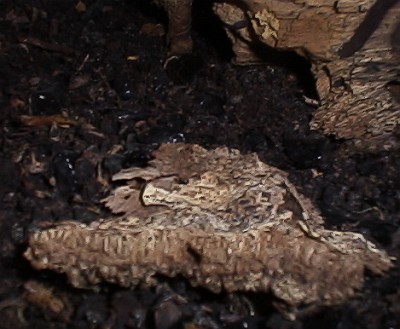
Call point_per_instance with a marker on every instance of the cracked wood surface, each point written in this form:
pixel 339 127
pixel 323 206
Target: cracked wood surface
pixel 353 47
pixel 222 220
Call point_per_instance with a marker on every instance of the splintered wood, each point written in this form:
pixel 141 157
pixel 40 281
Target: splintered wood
pixel 353 47
pixel 222 220
pixel 354 50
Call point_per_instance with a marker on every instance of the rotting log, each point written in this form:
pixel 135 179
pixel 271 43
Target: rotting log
pixel 353 47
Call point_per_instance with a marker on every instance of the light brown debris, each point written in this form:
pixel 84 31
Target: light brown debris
pixel 222 220
pixel 353 47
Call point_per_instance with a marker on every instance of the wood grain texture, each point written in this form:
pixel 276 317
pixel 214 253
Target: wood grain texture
pixel 222 220
pixel 353 47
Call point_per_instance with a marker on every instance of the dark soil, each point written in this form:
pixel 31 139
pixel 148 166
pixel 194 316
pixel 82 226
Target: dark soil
pixel 83 93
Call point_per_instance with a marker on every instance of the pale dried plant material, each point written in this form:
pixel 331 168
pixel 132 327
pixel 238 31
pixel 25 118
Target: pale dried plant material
pixel 222 220
pixel 353 47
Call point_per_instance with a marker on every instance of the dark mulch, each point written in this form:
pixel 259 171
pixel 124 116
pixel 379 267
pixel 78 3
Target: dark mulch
pixel 83 94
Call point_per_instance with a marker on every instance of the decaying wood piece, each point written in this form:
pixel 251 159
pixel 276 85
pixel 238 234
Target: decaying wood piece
pixel 179 26
pixel 357 98
pixel 353 46
pixel 222 220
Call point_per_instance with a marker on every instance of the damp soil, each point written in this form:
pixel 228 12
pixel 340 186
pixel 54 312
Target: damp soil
pixel 83 94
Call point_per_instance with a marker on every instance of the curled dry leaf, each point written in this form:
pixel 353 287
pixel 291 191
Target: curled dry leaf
pixel 222 220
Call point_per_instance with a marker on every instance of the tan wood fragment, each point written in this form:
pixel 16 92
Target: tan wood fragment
pixel 222 220
pixel 353 47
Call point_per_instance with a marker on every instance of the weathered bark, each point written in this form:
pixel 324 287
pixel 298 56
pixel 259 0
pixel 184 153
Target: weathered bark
pixel 357 101
pixel 354 49
pixel 222 220
pixel 179 25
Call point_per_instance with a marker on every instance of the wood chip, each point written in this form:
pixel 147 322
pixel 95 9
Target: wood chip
pixel 222 220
